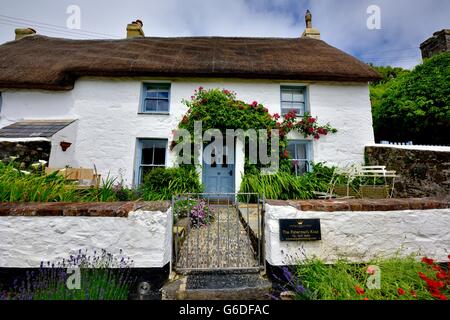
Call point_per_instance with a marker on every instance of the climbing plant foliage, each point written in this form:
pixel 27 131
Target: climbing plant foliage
pixel 219 109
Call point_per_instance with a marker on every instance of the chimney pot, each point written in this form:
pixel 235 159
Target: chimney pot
pixel 308 19
pixel 24 32
pixel 310 32
pixel 134 29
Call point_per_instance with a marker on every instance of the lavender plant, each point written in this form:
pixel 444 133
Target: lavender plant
pixel 289 282
pixel 104 276
pixel 201 214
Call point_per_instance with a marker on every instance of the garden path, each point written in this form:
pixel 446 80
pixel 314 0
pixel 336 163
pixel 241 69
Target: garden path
pixel 222 244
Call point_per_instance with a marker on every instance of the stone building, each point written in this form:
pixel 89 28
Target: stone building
pixel 439 42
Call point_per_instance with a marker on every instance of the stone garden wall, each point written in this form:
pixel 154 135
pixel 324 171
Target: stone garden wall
pixel 31 233
pixel 360 230
pixel 423 171
pixel 27 152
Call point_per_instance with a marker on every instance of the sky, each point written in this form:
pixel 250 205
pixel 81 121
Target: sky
pixel 399 29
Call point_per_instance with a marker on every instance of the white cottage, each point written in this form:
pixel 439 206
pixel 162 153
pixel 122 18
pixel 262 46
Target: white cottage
pixel 114 103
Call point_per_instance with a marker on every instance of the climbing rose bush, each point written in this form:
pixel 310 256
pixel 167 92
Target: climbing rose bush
pixel 219 109
pixel 307 125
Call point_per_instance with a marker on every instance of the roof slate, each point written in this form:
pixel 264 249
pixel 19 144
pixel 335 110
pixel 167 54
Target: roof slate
pixel 38 128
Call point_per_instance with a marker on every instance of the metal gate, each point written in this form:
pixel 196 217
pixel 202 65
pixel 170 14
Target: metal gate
pixel 218 231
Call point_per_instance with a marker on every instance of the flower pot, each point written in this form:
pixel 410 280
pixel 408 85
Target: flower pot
pixel 374 192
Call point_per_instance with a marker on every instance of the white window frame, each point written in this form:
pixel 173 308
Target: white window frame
pixel 139 165
pixel 308 150
pixel 144 88
pixel 303 87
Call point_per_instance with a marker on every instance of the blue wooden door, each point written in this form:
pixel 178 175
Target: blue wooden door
pixel 218 177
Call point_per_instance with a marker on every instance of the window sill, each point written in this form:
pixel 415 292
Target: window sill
pixel 155 113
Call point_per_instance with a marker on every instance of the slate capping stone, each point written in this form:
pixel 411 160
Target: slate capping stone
pixel 364 204
pixel 80 209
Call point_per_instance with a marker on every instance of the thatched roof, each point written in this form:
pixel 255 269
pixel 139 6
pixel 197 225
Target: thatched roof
pixel 52 63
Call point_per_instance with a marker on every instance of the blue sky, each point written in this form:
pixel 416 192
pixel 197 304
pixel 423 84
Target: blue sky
pixel 404 23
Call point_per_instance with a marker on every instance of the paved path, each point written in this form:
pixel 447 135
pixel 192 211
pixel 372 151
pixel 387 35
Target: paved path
pixel 222 244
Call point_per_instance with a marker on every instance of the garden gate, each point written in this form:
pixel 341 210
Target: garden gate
pixel 218 231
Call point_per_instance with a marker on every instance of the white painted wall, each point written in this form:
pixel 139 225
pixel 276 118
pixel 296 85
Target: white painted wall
pixel 361 236
pixel 108 120
pixel 145 236
pixel 58 157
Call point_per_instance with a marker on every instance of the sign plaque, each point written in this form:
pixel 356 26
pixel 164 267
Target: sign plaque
pixel 300 229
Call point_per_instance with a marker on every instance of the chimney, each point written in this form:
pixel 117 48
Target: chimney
pixel 310 32
pixel 24 32
pixel 134 29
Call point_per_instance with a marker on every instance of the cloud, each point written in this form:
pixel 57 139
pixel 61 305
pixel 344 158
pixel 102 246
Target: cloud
pixel 405 23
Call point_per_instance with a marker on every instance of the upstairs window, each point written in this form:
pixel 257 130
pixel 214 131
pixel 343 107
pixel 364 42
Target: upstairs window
pixel 300 155
pixel 156 98
pixel 293 98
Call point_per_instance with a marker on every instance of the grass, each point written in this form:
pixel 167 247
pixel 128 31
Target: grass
pixel 17 185
pixel 286 186
pixel 399 280
pixel 35 186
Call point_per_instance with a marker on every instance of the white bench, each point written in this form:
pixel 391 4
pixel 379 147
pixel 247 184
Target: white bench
pixel 377 172
pixel 358 171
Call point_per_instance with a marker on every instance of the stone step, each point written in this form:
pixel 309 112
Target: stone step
pixel 218 286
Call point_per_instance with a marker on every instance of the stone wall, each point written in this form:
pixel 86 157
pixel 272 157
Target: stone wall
pixel 349 231
pixel 422 173
pixel 27 152
pixel 31 233
pixel 439 42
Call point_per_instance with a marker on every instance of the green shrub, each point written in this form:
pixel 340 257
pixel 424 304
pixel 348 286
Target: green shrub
pixel 415 105
pixel 163 183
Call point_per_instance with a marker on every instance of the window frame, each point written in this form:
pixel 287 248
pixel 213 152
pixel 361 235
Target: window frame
pixel 144 88
pixel 138 162
pixel 308 150
pixel 305 90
